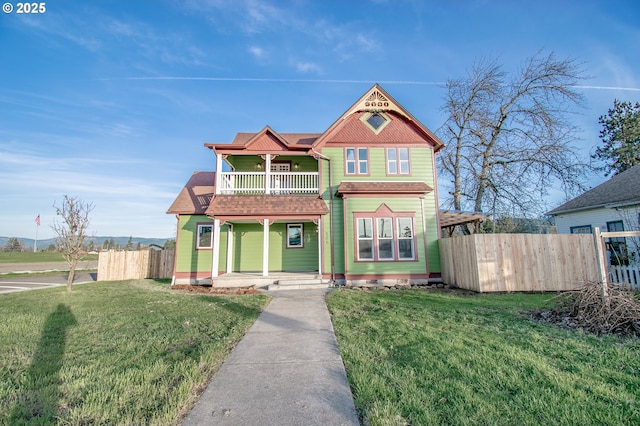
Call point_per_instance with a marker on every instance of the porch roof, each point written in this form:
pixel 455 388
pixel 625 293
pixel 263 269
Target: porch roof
pixel 269 206
pixel 450 219
pixel 196 194
pixel 364 187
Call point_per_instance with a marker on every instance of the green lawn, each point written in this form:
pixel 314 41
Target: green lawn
pixel 128 352
pixel 39 257
pixel 437 358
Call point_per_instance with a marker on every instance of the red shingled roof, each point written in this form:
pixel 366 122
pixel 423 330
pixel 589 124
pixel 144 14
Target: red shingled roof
pixel 196 195
pixel 383 188
pixel 267 205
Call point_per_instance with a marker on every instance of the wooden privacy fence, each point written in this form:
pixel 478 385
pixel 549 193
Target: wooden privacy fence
pixel 518 262
pixel 127 265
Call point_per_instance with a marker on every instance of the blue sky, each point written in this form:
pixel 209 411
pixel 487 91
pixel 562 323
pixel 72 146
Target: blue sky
pixel 111 101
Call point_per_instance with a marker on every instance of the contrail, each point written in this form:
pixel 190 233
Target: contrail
pixel 271 80
pixel 628 89
pixel 331 81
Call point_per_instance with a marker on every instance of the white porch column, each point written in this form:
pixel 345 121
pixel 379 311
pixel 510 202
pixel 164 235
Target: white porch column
pixel 265 248
pixel 320 247
pixel 215 250
pixel 229 248
pixel 267 174
pixel 218 171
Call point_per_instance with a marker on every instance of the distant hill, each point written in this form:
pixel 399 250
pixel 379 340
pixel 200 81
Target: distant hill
pixel 97 241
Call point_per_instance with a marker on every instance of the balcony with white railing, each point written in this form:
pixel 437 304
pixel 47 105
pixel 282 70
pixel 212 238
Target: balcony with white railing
pixel 278 183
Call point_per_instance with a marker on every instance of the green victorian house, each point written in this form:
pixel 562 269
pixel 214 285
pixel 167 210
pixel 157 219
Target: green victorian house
pixel 357 203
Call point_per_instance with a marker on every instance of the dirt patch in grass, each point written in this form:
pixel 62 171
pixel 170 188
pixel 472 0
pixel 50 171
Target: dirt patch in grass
pixel 207 289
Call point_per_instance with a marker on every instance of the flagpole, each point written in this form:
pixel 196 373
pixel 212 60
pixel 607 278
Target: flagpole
pixel 35 243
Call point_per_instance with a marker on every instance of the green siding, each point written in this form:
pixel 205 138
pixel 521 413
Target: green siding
pixel 421 166
pixel 248 242
pixel 188 258
pixel 247 247
pixel 335 216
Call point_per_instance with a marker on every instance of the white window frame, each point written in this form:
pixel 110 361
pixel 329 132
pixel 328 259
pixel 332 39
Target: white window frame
pixel 361 238
pixel 291 226
pixel 400 237
pixel 389 238
pixel 398 161
pixel 199 233
pixel 358 162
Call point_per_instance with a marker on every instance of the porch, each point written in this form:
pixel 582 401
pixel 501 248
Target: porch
pixel 275 280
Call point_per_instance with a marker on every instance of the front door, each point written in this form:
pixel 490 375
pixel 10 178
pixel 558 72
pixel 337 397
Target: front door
pixel 280 178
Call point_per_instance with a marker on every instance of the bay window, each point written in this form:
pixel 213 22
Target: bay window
pixel 394 238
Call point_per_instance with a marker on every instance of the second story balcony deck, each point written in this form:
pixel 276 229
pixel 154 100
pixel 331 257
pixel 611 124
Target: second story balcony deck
pixel 239 183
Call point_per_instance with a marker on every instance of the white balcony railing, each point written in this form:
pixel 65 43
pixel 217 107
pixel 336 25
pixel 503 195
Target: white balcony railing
pixel 278 183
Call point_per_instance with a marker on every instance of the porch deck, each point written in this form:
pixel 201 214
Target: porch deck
pixel 275 280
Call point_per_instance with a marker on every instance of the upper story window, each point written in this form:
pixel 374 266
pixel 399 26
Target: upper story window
pixel 357 161
pixel 398 161
pixel 582 229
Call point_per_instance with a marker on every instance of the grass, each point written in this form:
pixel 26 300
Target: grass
pixel 38 257
pixel 128 352
pixel 432 358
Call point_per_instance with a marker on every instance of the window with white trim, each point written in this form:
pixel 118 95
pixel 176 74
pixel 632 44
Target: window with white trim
pixel 295 235
pixel 357 161
pixel 385 238
pixel 582 229
pixel 398 161
pixel 205 237
pixel 405 238
pixel 365 238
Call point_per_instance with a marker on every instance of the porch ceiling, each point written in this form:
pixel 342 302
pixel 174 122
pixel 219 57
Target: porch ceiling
pixel 274 206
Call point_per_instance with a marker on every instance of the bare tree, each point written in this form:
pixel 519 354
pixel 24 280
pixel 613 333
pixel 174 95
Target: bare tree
pixel 510 137
pixel 71 231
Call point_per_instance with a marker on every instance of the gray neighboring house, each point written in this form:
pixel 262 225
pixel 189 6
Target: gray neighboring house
pixel 612 206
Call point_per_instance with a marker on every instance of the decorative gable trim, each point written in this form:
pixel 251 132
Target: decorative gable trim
pixel 376 100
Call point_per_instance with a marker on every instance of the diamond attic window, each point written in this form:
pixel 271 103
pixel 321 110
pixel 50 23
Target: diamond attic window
pixel 376 120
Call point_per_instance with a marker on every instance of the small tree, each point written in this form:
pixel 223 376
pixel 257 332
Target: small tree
pixel 14 244
pixel 621 137
pixel 129 245
pixel 71 231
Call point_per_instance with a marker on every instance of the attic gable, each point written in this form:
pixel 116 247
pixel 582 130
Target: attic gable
pixel 267 141
pixel 377 117
pixel 264 142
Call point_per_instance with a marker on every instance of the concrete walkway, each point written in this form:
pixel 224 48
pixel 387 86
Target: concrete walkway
pixel 286 371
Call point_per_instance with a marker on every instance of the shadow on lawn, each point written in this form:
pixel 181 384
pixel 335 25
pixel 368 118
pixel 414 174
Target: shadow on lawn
pixel 39 397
